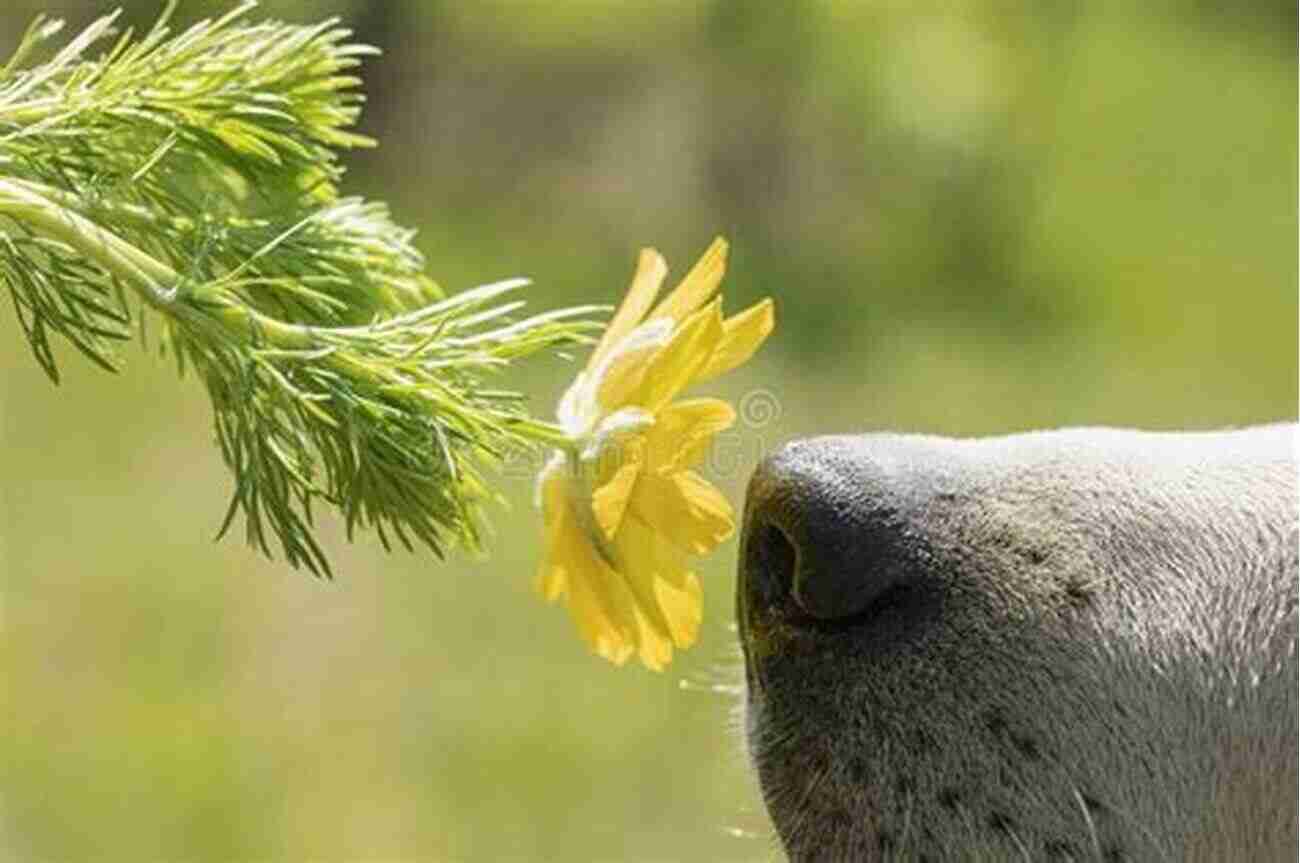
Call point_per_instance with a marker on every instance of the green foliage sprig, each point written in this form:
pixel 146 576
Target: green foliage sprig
pixel 193 176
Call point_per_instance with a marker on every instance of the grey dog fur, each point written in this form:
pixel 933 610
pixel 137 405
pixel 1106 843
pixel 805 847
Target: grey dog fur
pixel 1066 645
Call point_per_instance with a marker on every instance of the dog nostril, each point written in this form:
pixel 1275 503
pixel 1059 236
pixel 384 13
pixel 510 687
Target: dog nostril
pixel 827 529
pixel 771 563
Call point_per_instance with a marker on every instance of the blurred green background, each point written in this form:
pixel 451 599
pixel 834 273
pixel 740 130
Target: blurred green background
pixel 976 217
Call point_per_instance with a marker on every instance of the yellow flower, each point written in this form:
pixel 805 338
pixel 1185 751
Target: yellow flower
pixel 622 509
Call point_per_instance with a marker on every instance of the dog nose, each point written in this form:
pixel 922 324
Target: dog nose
pixel 826 527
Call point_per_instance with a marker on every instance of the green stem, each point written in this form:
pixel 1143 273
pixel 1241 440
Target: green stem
pixel 551 434
pixel 26 202
pixel 52 212
pixel 133 214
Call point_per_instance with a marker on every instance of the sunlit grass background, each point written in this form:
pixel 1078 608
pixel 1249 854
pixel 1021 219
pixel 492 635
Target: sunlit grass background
pixel 973 221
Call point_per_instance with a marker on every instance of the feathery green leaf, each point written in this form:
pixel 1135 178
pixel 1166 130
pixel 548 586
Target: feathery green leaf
pixel 193 176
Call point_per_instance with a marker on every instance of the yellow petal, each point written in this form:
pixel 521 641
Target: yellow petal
pixel 656 647
pixel 697 286
pixel 564 559
pixel 650 272
pixel 686 509
pixel 677 363
pixel 642 560
pixel 595 625
pixel 623 370
pixel 682 603
pixel 683 432
pixel 616 477
pixel 599 601
pixel 551 580
pixel 602 607
pixel 741 335
pixel 549 494
pixel 623 381
pixel 656 572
